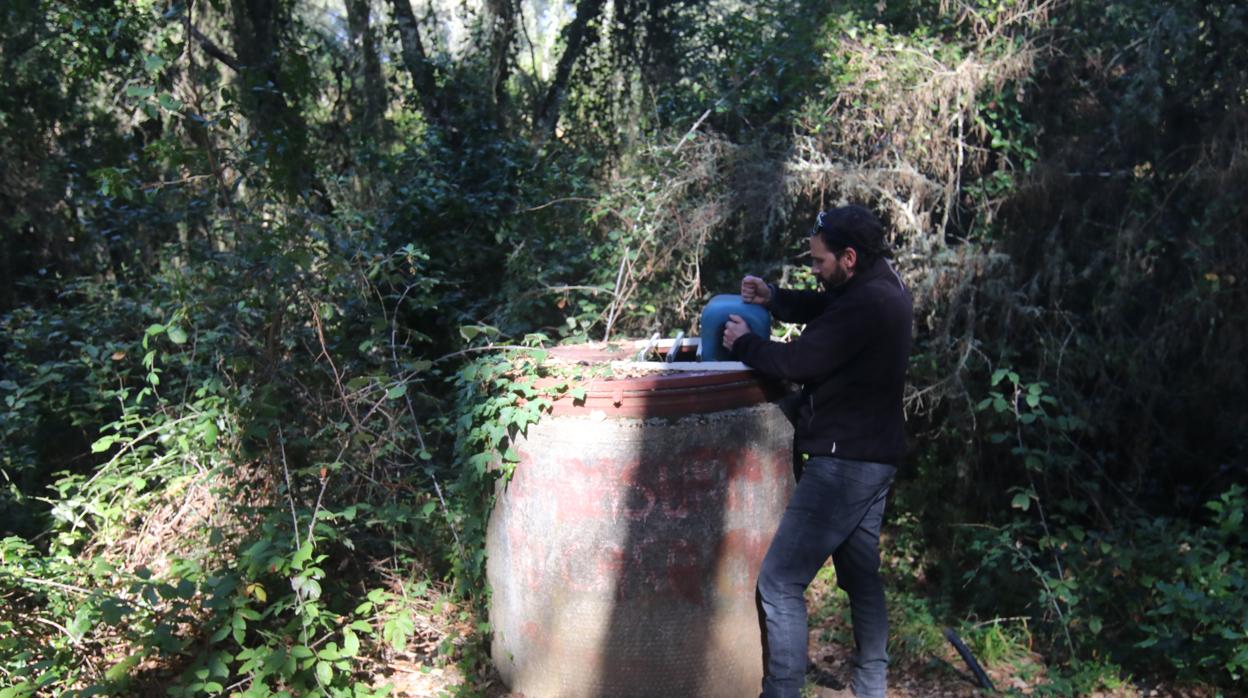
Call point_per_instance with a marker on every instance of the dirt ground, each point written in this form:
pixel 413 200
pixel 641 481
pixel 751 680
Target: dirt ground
pixel 418 674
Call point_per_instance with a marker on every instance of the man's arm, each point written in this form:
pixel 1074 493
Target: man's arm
pixel 787 306
pixel 829 342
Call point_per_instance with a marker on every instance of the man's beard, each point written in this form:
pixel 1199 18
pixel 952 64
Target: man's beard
pixel 837 279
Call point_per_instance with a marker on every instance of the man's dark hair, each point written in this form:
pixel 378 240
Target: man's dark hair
pixel 852 226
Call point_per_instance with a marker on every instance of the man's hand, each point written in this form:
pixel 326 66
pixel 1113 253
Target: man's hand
pixel 733 330
pixel 755 290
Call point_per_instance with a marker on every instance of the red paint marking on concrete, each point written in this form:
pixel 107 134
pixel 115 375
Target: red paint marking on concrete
pixel 744 544
pixel 531 632
pixel 612 563
pixel 636 503
pixel 686 570
pixel 690 483
pixel 740 554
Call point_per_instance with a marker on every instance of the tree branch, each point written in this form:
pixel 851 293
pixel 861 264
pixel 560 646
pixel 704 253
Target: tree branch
pixel 213 50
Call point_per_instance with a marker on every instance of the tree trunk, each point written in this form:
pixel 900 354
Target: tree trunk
pixel 368 89
pixel 502 35
pixel 576 37
pixel 279 128
pixel 424 79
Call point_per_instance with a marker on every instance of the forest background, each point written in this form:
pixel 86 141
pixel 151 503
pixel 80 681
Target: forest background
pixel 275 274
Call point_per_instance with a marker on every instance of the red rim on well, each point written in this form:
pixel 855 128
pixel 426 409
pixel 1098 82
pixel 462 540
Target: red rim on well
pixel 662 394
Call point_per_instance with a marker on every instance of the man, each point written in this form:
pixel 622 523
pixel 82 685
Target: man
pixel 851 361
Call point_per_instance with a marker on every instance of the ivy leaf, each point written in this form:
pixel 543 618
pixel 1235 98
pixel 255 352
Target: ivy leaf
pixel 1021 501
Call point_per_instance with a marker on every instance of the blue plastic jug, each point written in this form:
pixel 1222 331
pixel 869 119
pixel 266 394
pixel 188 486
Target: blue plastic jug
pixel 715 316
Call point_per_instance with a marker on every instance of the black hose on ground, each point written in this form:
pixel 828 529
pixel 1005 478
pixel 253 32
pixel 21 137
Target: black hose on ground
pixel 965 653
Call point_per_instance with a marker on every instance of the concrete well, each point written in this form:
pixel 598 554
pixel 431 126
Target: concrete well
pixel 623 553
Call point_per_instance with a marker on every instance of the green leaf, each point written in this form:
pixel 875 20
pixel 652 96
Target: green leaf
pixel 396 392
pixel 120 670
pixel 103 444
pixel 302 555
pixel 21 690
pixel 324 672
pixel 169 103
pixel 113 609
pixel 209 433
pixel 1021 501
pixel 177 335
pixel 350 643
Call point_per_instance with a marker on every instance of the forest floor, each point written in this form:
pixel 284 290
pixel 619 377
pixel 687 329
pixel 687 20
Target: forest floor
pixel 420 673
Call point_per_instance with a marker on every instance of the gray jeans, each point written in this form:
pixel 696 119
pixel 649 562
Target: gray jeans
pixel 837 510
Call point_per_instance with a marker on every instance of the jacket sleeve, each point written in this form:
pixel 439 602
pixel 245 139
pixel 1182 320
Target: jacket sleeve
pixel 830 341
pixel 796 306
